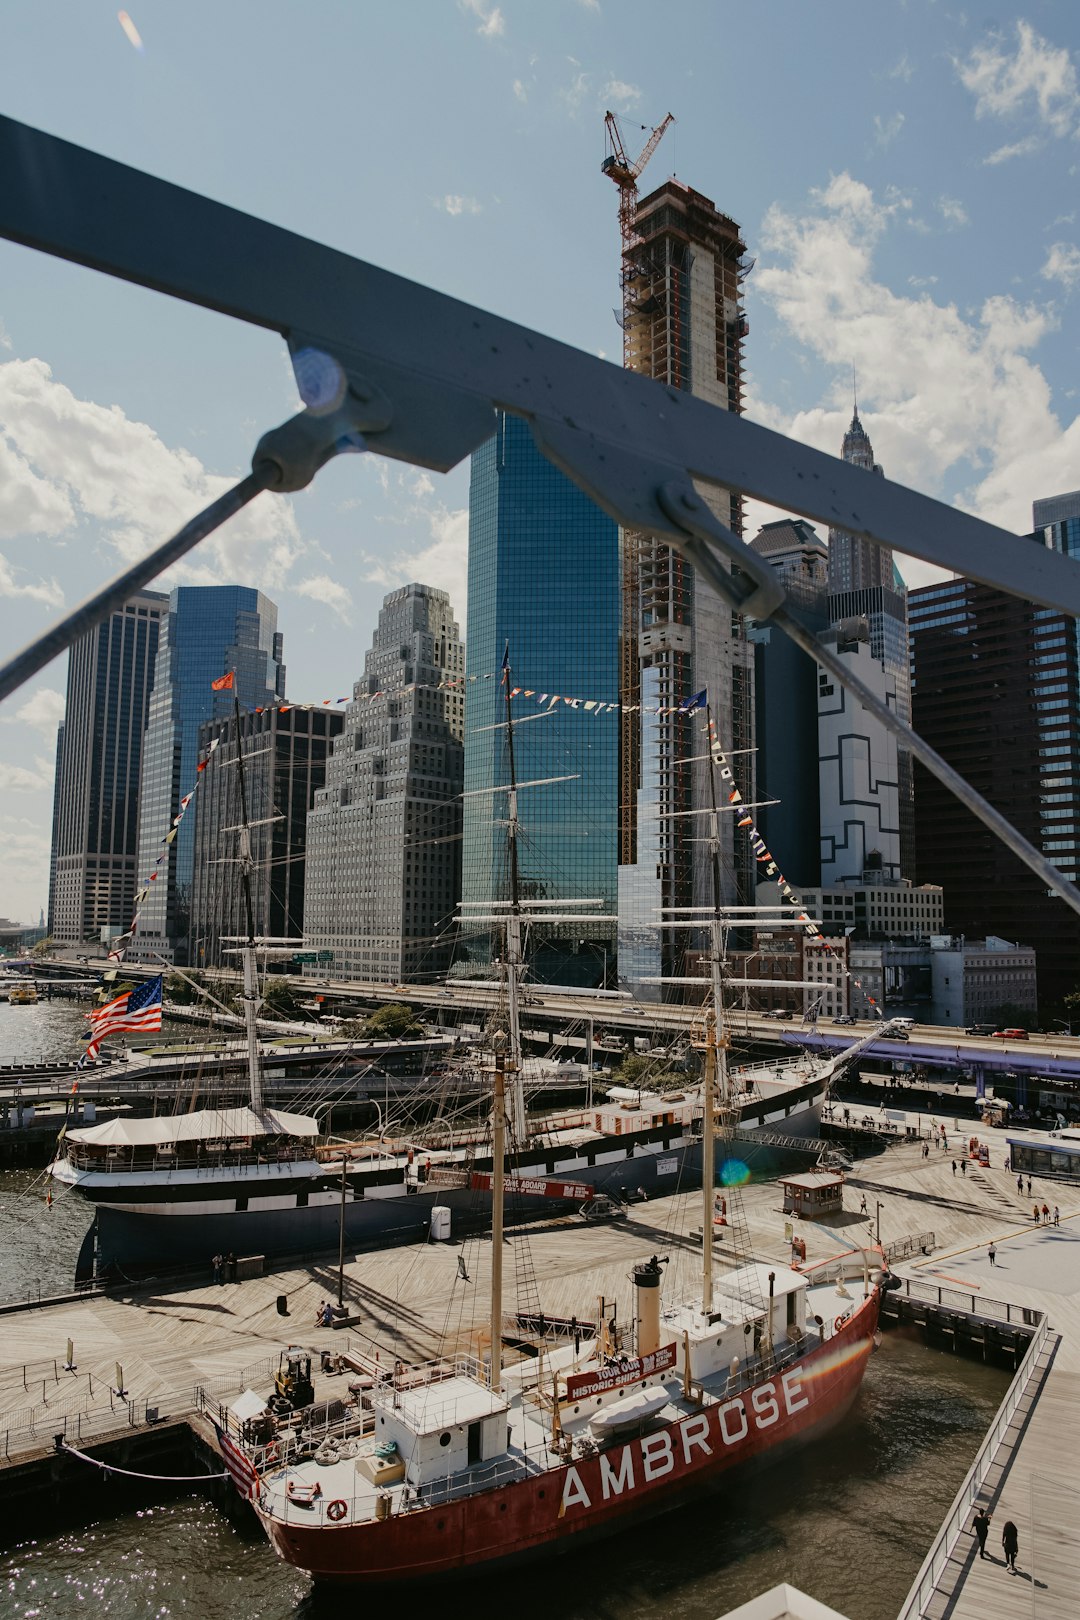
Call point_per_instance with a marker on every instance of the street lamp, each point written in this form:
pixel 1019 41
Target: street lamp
pixel 878 1206
pixel 1065 1024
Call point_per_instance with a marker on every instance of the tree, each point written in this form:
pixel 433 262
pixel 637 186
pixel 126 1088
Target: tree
pixel 1010 1016
pixel 394 1022
pixel 279 997
pixel 647 1074
pixel 181 990
pixel 43 947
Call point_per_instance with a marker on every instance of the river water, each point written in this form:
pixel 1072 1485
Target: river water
pixel 847 1521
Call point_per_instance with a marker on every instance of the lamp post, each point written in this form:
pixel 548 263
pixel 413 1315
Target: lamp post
pixel 877 1212
pixel 1066 1024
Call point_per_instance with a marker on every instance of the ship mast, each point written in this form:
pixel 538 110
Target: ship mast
pixel 715 1042
pixel 251 998
pixel 518 1121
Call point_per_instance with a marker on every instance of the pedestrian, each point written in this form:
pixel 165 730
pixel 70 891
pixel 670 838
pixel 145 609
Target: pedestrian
pixel 963 1167
pixel 1035 1212
pixel 230 1267
pixel 862 1206
pixel 980 1526
pixel 1029 1186
pixel 926 1150
pixel 1020 1184
pixel 217 1263
pixel 1046 1214
pixel 1010 1542
pixel 991 1253
pixel 1057 1216
pixel 954 1167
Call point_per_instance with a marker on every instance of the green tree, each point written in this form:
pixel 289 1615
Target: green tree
pixel 1010 1016
pixel 279 997
pixel 647 1074
pixel 43 947
pixel 182 990
pixel 394 1022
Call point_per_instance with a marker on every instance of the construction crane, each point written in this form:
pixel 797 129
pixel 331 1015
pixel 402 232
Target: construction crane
pixel 618 167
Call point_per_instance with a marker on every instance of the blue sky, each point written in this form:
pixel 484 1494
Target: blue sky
pixel 906 175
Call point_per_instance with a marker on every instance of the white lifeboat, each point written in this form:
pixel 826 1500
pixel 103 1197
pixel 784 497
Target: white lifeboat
pixel 627 1414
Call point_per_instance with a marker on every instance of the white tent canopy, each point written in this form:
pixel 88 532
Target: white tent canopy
pixel 204 1125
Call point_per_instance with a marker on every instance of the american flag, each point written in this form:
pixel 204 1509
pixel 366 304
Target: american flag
pixel 238 1463
pixel 136 1009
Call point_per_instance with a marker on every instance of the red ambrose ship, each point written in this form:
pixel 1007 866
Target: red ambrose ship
pixel 460 1474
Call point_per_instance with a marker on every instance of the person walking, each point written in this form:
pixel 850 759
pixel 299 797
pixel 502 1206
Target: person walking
pixel 991 1253
pixel 1010 1542
pixel 217 1263
pixel 963 1167
pixel 1020 1184
pixel 862 1206
pixel 1029 1186
pixel 926 1150
pixel 1035 1213
pixel 1046 1214
pixel 1057 1216
pixel 954 1167
pixel 981 1525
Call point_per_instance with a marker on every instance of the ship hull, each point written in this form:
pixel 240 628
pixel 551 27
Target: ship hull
pixel 144 1233
pixel 571 1505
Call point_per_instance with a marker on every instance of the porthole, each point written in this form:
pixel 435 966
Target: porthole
pixel 502 1507
pixel 444 1439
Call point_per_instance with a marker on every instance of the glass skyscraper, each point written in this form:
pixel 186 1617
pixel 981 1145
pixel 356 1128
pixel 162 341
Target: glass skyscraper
pixel 544 580
pixel 98 764
pixel 209 630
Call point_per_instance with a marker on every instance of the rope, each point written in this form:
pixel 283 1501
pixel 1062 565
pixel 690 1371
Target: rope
pixel 130 1473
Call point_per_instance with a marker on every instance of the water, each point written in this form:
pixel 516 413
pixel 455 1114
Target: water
pixel 848 1520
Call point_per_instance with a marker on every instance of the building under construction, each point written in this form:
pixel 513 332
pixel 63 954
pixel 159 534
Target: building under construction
pixel 683 264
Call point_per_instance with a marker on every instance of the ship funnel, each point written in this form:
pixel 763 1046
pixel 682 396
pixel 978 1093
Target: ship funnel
pixel 647 1306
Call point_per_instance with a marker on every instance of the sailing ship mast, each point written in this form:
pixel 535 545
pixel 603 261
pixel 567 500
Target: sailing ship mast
pixel 250 995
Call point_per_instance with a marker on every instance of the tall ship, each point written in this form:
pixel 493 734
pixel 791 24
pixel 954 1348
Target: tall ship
pixel 473 1462
pixel 176 1189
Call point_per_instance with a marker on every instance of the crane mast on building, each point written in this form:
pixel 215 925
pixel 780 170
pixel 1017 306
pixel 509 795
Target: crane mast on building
pixel 625 173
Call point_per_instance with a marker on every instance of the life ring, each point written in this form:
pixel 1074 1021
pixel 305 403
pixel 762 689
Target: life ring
pixel 838 1324
pixel 336 1510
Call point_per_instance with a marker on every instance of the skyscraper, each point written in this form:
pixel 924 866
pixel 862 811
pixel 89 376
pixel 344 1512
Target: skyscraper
pixel 864 582
pixel 285 755
pixel 383 836
pixel 684 326
pixel 544 582
pixel 99 757
pixel 208 630
pixel 996 691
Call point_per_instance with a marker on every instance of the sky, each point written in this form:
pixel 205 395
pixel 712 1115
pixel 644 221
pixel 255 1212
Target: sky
pixel 906 175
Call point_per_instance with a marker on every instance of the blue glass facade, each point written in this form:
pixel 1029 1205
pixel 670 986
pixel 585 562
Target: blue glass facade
pixel 210 629
pixel 543 577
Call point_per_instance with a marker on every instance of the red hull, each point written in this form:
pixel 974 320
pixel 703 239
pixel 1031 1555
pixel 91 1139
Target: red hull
pixel 591 1496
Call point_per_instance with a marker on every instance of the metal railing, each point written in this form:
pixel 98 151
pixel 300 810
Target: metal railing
pixel 958 1299
pixel 934 1564
pixel 914 1243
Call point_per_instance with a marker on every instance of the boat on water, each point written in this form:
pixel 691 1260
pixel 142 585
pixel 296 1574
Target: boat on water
pixel 462 1465
pixel 23 995
pixel 175 1190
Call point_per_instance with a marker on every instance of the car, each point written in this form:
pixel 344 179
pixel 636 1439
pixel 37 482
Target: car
pixel 777 1012
pixel 979 1029
pixel 845 1018
pixel 1010 1034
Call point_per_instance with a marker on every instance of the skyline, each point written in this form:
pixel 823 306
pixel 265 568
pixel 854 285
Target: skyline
pixel 925 237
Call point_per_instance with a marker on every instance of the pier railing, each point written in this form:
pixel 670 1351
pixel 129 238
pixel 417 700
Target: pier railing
pixel 928 1579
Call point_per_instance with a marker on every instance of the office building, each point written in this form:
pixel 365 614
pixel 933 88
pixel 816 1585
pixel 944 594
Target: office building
pixel 208 630
pixel 996 691
pixel 684 325
pixel 979 981
pixel 99 766
pixel 285 752
pixel 872 910
pixel 865 583
pixel 857 769
pixel 544 586
pixel 384 834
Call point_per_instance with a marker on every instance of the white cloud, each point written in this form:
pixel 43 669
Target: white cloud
pixel 887 129
pixel 520 91
pixel 40 590
pixel 619 95
pixel 78 462
pixel 23 779
pixel 1062 264
pixel 952 211
pixel 454 204
pixel 332 594
pixel 25 842
pixel 573 95
pixel 43 709
pixel 922 281
pixel 5 340
pixel 490 19
pixel 1005 82
pixel 441 561
pixel 960 408
pixel 903 69
pixel 589 5
pixel 1002 154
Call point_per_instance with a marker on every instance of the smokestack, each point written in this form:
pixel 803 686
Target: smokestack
pixel 647 1306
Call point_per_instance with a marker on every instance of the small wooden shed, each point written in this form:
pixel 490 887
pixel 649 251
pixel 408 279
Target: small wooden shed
pixel 814 1193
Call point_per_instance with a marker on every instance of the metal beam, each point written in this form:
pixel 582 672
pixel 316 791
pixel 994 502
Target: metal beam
pixel 442 368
